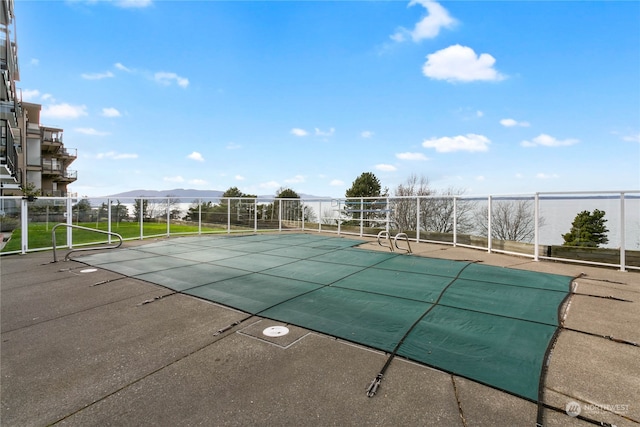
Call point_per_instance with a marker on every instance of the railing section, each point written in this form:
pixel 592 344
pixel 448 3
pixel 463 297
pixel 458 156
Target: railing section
pixel 530 225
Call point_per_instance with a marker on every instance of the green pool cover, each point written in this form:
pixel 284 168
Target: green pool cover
pixel 489 324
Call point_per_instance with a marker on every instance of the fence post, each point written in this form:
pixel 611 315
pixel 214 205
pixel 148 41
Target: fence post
pixel 388 214
pixel 141 219
pixel 255 215
pixel 455 221
pixel 108 221
pixel 622 233
pixel 536 227
pixel 168 217
pixel 228 215
pixel 339 218
pixel 70 221
pixel 361 215
pixel 417 219
pixel 199 217
pixel 489 224
pixel 24 219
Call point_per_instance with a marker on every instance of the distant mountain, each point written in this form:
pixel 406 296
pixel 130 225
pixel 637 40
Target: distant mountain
pixel 177 192
pixel 186 194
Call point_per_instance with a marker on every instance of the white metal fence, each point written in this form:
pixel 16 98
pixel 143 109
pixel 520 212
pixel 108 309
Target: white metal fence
pixel 530 225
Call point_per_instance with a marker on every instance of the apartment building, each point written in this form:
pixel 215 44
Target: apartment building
pixel 45 159
pixel 31 155
pixel 10 112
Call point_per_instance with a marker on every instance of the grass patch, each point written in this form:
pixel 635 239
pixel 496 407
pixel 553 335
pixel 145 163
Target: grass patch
pixel 40 233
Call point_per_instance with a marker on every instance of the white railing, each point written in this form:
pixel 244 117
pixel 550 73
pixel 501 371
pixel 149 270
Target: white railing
pixel 529 225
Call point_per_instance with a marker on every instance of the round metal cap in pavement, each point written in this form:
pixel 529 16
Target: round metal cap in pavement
pixel 276 331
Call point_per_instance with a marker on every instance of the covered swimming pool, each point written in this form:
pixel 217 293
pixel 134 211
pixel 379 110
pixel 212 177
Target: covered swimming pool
pixel 490 324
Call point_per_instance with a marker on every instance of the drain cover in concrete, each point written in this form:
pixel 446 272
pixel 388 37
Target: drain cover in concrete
pixel 280 335
pixel 275 331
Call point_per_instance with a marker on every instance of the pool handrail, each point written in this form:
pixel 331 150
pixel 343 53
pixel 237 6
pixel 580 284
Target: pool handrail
pixel 66 258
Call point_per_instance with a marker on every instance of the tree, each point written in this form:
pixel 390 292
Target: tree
pixel 119 212
pixel 436 212
pixel 587 229
pixel 82 210
pixel 510 220
pixel 366 185
pixel 233 192
pixel 169 205
pixel 290 208
pixel 241 211
pixel 405 210
pixel 136 209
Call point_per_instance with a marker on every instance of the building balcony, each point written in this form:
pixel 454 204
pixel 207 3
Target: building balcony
pixel 51 146
pixel 67 154
pixel 66 176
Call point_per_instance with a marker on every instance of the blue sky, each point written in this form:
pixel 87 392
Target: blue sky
pixel 487 97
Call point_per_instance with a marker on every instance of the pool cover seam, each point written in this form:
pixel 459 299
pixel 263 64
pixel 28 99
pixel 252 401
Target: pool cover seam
pixel 310 291
pixel 264 272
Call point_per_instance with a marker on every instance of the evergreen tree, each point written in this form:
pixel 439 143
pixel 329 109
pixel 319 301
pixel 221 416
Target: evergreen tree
pixel 366 185
pixel 587 229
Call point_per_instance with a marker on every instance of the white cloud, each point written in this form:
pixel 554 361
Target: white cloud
pixel 91 131
pixel 198 182
pixel 233 146
pixel 330 132
pixel 34 62
pixel 480 178
pixel 366 134
pixel 196 156
pixel 110 112
pixel 299 132
pixel 133 4
pixel 295 179
pixel 239 177
pixel 165 79
pixel 269 185
pixel 511 123
pixel 97 76
pixel 479 114
pixel 547 176
pixel 460 64
pixel 469 142
pixel 336 183
pixel 173 179
pixel 121 67
pixel 385 167
pixel 429 26
pixel 63 111
pixel 116 156
pixel 632 138
pixel 548 141
pixel 30 94
pixel 411 156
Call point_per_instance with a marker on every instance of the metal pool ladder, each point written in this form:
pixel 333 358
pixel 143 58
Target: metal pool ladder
pixel 66 258
pixel 386 235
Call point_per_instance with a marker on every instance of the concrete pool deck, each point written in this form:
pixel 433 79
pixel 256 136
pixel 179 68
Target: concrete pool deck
pixel 100 348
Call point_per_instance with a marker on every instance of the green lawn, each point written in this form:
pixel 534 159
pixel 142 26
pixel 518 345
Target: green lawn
pixel 40 233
